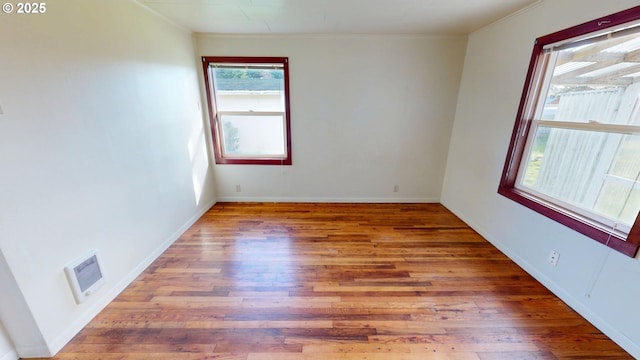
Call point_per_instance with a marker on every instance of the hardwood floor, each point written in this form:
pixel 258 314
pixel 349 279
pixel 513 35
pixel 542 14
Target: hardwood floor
pixel 336 281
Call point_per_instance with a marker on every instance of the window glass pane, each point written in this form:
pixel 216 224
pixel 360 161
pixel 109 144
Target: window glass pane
pixel 249 109
pixel 577 166
pixel 253 135
pixel 591 170
pixel 594 83
pixel 620 194
pixel 619 201
pixel 249 89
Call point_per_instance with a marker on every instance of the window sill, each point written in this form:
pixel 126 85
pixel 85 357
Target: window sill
pixel 267 161
pixel 578 223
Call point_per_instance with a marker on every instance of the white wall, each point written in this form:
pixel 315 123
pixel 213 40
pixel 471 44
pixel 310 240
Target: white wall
pixel 367 113
pixel 102 147
pixel 600 283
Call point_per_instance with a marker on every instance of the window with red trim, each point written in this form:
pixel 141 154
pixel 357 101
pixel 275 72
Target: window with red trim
pixel 248 100
pixel 575 150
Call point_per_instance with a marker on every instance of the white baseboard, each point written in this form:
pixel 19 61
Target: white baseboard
pixel 604 326
pixel 100 304
pixel 34 352
pixel 327 199
pixel 11 355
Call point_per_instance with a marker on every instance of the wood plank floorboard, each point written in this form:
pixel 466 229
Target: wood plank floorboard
pixel 254 281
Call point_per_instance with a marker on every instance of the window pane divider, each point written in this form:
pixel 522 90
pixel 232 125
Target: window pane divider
pixel 252 113
pixel 590 126
pixel 635 185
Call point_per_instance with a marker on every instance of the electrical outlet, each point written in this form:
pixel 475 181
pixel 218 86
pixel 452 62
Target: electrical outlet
pixel 553 258
pixel 396 188
pixel 238 188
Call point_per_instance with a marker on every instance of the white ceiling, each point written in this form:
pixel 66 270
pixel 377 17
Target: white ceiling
pixel 430 17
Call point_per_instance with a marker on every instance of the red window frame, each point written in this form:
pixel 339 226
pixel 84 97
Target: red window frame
pixel 213 116
pixel 520 134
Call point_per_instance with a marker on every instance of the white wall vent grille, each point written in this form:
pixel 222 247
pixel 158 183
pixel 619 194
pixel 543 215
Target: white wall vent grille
pixel 84 275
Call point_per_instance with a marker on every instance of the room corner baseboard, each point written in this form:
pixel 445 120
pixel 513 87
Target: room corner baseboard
pixel 11 355
pixel 618 337
pixel 74 328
